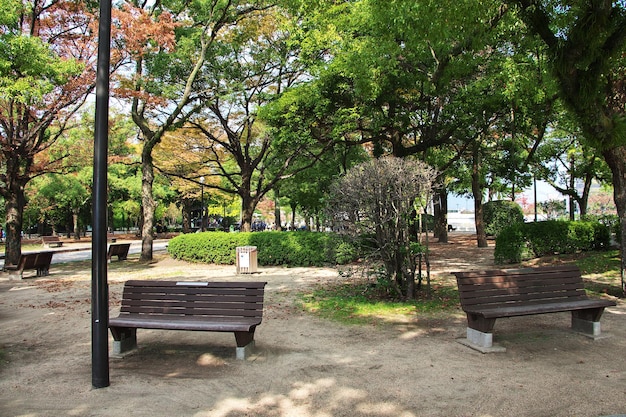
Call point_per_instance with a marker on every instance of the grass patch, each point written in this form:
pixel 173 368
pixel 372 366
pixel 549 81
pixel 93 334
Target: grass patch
pixel 605 263
pixel 602 272
pixel 363 303
pixel 366 303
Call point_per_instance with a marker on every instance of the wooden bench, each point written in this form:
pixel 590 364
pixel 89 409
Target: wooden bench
pixel 111 237
pixel 39 261
pixel 488 295
pixel 118 249
pixel 203 306
pixel 49 241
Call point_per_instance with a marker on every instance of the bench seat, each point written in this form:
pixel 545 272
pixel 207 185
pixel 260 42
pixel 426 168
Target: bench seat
pixel 49 241
pixel 199 323
pixel 235 307
pixel 546 307
pixel 488 295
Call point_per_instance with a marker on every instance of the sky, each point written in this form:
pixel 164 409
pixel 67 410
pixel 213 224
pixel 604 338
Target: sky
pixel 544 192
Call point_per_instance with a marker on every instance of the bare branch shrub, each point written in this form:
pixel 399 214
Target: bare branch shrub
pixel 376 202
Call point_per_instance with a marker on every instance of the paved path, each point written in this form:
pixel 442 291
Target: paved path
pixel 78 251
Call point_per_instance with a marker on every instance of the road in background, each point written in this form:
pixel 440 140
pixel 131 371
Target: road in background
pixel 82 252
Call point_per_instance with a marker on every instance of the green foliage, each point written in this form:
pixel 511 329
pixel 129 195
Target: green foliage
pixel 531 240
pixel 273 248
pixel 29 69
pixel 500 214
pixel 611 221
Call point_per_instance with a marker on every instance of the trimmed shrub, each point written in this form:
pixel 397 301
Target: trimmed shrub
pixel 499 214
pixel 273 248
pixel 531 240
pixel 511 245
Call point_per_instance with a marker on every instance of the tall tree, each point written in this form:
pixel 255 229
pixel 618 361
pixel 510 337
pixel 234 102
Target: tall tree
pixel 586 43
pixel 256 64
pixel 169 43
pixel 47 57
pixel 397 74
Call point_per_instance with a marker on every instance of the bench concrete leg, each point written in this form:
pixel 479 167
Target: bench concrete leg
pixel 245 344
pixel 587 327
pixel 124 340
pixel 243 352
pixel 479 338
pixel 16 275
pixel 481 341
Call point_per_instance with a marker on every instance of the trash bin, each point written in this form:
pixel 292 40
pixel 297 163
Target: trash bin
pixel 246 259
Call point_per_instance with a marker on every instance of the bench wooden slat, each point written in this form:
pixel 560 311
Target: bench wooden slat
pixel 118 249
pixel 186 291
pixel 191 284
pixel 216 324
pixel 174 305
pixel 536 308
pixel 219 310
pixel 39 261
pixel 51 241
pixel 488 295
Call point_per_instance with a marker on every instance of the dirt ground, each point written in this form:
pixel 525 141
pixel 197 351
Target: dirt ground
pixel 303 366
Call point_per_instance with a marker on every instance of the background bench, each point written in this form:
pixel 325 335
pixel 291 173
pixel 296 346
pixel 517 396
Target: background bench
pixel 203 306
pixel 50 241
pixel 488 295
pixel 118 249
pixel 39 261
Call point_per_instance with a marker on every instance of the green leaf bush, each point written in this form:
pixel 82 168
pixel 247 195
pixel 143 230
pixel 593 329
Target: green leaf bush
pixel 273 248
pixel 499 214
pixel 522 241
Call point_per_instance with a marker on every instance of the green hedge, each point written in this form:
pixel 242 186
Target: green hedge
pixel 523 241
pixel 499 214
pixel 273 248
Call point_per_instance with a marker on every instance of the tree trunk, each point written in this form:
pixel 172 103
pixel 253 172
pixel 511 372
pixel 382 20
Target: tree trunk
pixel 148 204
pixel 583 202
pixel 572 185
pixel 293 216
pixel 477 192
pixel 247 212
pixel 277 219
pixel 14 211
pixel 616 160
pixel 186 209
pixel 440 212
pixel 76 228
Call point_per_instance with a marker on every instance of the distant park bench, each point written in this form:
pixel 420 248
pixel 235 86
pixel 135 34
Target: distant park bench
pixel 118 249
pixel 111 237
pixel 488 295
pixel 203 306
pixel 50 241
pixel 39 261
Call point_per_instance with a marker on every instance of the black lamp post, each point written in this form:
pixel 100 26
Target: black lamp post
pixel 202 204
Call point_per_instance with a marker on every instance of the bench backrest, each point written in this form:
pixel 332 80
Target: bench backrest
pixel 35 260
pixel 524 286
pixel 50 239
pixel 117 248
pixel 180 298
